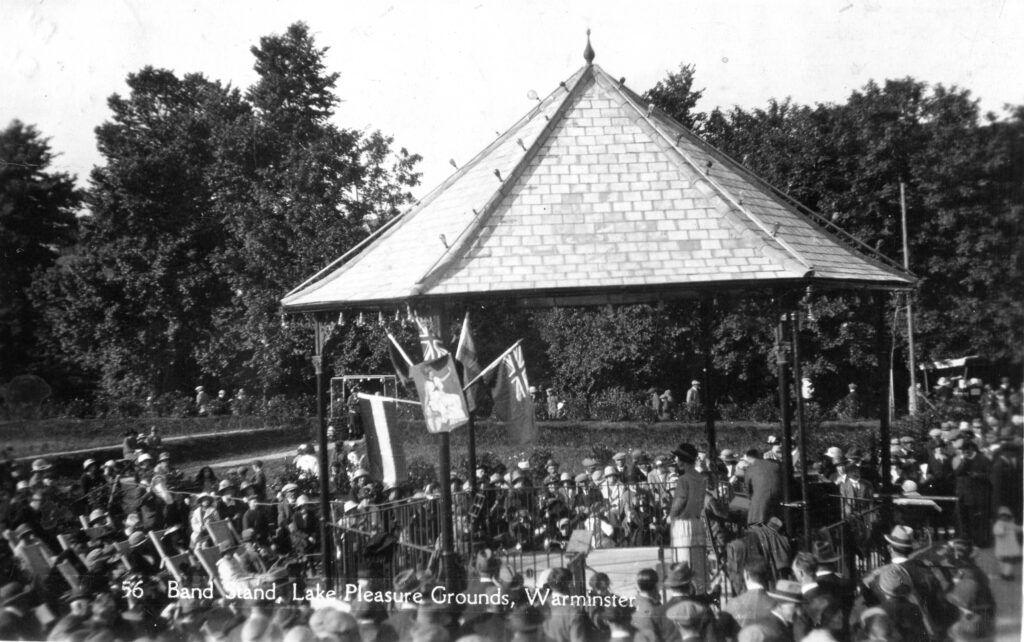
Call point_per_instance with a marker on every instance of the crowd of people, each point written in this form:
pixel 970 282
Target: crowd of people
pixel 95 557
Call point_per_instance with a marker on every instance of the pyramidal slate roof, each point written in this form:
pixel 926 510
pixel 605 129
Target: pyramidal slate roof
pixel 594 192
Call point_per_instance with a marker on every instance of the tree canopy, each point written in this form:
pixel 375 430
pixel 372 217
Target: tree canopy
pixel 209 206
pixel 37 222
pixel 212 202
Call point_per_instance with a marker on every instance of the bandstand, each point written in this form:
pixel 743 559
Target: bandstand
pixel 594 197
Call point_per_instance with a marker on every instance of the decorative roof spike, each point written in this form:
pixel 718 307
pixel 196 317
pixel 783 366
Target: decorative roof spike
pixel 451 161
pixel 497 173
pixel 588 53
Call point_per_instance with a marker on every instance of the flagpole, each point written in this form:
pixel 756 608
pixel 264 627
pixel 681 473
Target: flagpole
pixel 398 347
pixel 491 365
pixel 383 398
pixel 448 561
pixel 471 445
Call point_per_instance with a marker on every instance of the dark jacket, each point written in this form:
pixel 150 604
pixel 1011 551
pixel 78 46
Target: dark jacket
pixel 689 496
pixel 764 484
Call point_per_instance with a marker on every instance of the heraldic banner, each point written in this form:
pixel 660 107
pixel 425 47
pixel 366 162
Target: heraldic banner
pixel 444 405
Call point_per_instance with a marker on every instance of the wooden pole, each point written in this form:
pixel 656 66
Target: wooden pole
pixel 322 332
pixel 882 350
pixel 911 357
pixel 802 428
pixel 706 304
pixel 438 321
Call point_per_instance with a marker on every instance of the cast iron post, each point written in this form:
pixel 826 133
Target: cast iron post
pixel 322 331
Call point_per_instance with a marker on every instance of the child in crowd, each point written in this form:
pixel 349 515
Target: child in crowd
pixel 1008 543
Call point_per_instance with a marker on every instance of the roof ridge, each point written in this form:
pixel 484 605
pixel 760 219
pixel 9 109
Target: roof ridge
pixel 722 192
pixel 459 245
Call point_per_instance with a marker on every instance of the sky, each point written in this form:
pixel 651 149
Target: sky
pixel 442 77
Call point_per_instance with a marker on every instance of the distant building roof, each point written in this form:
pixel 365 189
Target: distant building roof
pixel 591 192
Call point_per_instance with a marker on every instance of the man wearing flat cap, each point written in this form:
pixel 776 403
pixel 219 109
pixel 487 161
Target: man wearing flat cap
pixel 685 513
pixel 694 615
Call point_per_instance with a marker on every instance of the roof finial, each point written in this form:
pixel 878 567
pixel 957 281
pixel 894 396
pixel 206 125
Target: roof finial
pixel 588 53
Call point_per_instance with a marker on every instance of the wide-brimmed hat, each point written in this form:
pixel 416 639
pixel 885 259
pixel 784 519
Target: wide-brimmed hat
pixel 901 537
pixel 728 456
pixel 40 465
pixel 97 515
pixel 565 477
pixel 12 592
pixel 824 552
pixel 679 575
pixel 22 530
pixel 588 462
pixel 619 455
pixel 611 471
pixel 787 591
pixel 894 580
pixel 582 478
pixel 289 487
pixel 137 538
pixel 87 463
pixel 908 487
pixel 834 452
pixel 686 452
pixel 686 613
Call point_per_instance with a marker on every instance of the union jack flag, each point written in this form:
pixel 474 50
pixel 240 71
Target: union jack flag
pixel 515 366
pixel 432 348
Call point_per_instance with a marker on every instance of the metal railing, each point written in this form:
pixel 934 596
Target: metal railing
pixel 529 528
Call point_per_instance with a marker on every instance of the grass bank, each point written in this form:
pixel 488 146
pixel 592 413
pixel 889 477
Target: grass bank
pixel 33 437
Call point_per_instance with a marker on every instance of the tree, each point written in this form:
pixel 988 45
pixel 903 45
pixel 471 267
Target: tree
pixel 308 191
pixel 676 96
pixel 210 206
pixel 37 221
pixel 134 302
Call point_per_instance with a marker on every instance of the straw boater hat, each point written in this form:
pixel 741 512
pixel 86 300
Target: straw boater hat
pixel 787 591
pixel 894 580
pixel 901 537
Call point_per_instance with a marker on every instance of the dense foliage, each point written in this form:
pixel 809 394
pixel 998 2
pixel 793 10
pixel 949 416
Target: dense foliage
pixel 213 202
pixel 37 222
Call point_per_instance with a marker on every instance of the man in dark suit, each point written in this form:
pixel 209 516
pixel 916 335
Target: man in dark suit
pixel 974 494
pixel 763 480
pixel 822 607
pixel 828 577
pixel 647 601
pixel 679 584
pixel 752 604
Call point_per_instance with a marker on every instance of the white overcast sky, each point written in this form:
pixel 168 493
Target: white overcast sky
pixel 442 77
